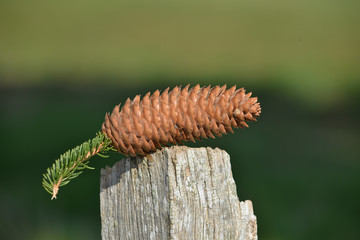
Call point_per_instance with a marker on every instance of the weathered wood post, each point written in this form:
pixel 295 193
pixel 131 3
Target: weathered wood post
pixel 176 193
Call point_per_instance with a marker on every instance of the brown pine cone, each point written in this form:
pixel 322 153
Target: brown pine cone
pixel 141 127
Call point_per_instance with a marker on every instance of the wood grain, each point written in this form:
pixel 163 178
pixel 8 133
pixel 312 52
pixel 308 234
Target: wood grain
pixel 176 193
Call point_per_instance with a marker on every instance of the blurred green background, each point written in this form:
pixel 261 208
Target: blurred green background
pixel 63 64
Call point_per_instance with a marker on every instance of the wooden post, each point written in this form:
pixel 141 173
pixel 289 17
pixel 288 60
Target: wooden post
pixel 176 193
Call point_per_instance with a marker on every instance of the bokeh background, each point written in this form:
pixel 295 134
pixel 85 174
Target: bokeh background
pixel 63 64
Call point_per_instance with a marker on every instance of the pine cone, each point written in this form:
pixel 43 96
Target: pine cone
pixel 141 127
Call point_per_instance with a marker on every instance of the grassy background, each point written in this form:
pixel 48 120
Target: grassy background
pixel 64 64
pixel 305 45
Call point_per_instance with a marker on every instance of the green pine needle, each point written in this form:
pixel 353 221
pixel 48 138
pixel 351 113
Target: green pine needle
pixel 71 163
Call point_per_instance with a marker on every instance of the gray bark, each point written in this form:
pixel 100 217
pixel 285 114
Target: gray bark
pixel 176 193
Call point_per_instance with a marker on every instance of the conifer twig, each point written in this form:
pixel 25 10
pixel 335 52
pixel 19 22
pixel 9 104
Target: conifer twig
pixel 71 163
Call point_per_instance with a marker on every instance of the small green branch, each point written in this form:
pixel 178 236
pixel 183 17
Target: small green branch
pixel 71 163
